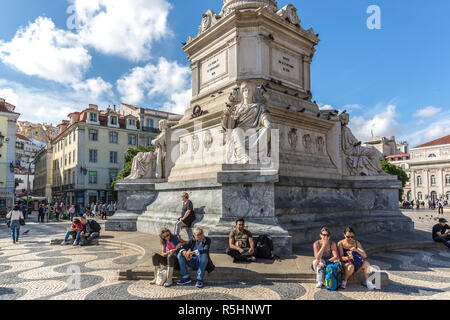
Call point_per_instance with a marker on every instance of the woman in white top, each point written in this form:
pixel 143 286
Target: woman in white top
pixel 15 215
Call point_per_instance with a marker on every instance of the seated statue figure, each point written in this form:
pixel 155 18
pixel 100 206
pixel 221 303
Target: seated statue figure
pixel 361 161
pixel 248 118
pixel 144 166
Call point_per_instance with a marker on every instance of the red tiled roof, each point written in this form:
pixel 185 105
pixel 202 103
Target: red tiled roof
pixel 437 142
pixel 22 137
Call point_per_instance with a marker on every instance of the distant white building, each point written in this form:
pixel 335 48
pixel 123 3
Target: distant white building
pixel 429 171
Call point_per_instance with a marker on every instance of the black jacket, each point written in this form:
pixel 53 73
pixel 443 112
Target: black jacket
pixel 190 245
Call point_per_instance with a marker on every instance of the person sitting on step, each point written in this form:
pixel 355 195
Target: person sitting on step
pixel 441 232
pixel 75 230
pixel 241 244
pixel 352 255
pixel 325 251
pixel 170 246
pixel 90 233
pixel 195 254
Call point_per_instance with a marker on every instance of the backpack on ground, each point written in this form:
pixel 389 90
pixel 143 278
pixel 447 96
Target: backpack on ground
pixel 332 275
pixel 264 247
pixel 161 277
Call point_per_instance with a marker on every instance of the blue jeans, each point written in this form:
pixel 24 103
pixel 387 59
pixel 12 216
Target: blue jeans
pixel 443 240
pixel 197 263
pixel 72 215
pixel 91 236
pixel 69 233
pixel 15 228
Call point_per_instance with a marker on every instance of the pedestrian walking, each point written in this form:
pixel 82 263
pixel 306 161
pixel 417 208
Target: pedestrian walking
pixel 15 216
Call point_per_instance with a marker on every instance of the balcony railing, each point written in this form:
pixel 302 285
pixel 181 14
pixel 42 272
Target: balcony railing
pixel 151 129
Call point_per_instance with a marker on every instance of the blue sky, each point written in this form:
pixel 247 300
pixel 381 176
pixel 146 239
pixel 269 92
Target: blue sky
pixel 393 81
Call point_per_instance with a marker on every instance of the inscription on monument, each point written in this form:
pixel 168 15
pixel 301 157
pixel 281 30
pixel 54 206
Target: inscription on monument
pixel 285 65
pixel 214 67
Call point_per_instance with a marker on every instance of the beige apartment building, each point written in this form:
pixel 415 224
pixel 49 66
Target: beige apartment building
pixel 89 152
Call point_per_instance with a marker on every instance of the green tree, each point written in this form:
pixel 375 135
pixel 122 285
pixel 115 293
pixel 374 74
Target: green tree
pixel 395 171
pixel 129 156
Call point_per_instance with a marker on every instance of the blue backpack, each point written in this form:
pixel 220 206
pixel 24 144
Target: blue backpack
pixel 332 275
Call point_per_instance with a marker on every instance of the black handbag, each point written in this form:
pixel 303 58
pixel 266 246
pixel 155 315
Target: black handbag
pixel 22 222
pixel 8 223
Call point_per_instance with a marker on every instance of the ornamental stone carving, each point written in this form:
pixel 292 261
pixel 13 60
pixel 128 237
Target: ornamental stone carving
pixel 144 166
pixel 195 143
pixel 289 13
pixel 209 18
pixel 183 147
pixel 307 142
pixel 293 138
pixel 208 141
pixel 360 161
pixel 245 118
pixel 231 5
pixel 320 144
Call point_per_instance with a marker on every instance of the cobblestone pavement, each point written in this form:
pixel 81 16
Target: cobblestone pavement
pixel 33 269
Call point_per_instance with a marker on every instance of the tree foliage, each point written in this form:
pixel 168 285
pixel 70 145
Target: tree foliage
pixel 129 156
pixel 395 171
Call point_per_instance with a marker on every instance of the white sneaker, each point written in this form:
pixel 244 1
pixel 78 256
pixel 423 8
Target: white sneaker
pixel 370 285
pixel 343 284
pixel 319 284
pixel 63 243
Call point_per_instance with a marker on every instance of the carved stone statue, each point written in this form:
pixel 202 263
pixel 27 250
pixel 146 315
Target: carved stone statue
pixel 247 116
pixel 361 161
pixel 144 166
pixel 161 149
pixel 289 12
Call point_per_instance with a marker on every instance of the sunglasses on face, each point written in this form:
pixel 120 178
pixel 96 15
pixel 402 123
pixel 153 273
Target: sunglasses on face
pixel 350 237
pixel 324 234
pixel 166 236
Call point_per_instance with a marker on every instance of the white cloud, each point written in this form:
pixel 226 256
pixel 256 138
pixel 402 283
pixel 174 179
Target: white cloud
pixel 124 28
pixel 436 129
pixel 179 102
pixel 427 112
pixel 42 50
pixel 94 87
pixel 326 107
pixel 9 95
pixel 50 106
pixel 352 107
pixel 381 124
pixel 166 80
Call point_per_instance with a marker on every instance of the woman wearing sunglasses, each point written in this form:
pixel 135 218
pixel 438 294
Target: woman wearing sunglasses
pixel 352 255
pixel 325 252
pixel 170 245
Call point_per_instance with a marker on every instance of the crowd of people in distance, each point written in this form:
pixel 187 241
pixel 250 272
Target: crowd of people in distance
pixel 431 204
pixel 59 211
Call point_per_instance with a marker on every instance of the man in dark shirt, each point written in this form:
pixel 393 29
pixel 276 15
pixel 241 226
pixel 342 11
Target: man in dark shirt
pixel 241 244
pixel 440 233
pixel 90 233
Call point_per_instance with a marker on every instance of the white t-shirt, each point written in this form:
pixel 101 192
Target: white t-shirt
pixel 15 215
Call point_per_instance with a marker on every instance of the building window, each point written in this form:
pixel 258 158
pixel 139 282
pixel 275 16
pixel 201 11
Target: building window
pixel 131 122
pixel 93 156
pixel 113 137
pixel 93 135
pixel 433 180
pixel 419 196
pixel 149 123
pixel 132 139
pixel 448 196
pixel 70 139
pixel 65 160
pixel 114 121
pixel 92 177
pixel 149 141
pixel 92 117
pixel 73 157
pixel 419 180
pixel 113 176
pixel 74 136
pixel 447 180
pixel 70 158
pixel 113 157
pixel 73 177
